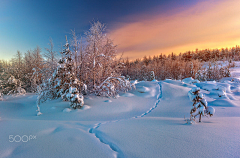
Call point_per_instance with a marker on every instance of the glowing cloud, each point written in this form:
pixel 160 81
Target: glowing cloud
pixel 209 24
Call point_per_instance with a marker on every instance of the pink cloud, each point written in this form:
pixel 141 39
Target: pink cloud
pixel 209 24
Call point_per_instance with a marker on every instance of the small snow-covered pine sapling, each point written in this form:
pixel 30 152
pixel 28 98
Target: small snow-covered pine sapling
pixel 76 100
pixel 152 76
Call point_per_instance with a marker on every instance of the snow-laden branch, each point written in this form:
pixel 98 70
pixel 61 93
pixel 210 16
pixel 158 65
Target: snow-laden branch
pixel 113 85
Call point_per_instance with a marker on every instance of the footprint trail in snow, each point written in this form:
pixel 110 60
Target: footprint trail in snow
pixel 99 135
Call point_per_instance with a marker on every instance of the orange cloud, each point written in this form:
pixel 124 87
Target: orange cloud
pixel 208 24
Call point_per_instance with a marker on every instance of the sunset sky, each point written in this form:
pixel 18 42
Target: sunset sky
pixel 139 28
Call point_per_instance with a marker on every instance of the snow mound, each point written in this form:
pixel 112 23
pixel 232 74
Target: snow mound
pixel 230 80
pixel 128 95
pixel 190 80
pixel 85 107
pixel 143 89
pixel 39 113
pixel 67 110
pixel 88 97
pixel 224 87
pixel 107 101
pixel 208 85
pixel 215 88
pixel 224 103
pixel 219 93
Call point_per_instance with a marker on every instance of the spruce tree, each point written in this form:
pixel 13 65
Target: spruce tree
pixel 68 87
pixel 152 76
pixel 64 83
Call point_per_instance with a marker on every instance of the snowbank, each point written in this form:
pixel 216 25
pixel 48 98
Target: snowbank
pixel 143 89
pixel 128 95
pixel 67 110
pixel 190 80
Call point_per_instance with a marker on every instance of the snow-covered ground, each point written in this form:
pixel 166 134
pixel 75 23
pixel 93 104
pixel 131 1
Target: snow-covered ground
pixel 146 122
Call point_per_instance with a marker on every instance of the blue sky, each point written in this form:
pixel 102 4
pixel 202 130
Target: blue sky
pixel 24 24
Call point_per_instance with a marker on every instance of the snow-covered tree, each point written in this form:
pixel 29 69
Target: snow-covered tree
pixel 1 76
pixel 63 82
pixel 100 56
pixel 13 86
pixel 35 69
pixel 77 53
pixel 17 67
pixel 227 72
pixel 75 98
pixel 28 71
pixel 152 76
pixel 198 75
pixel 209 71
pixel 1 83
pixel 144 75
pixel 51 58
pixel 1 97
pixel 94 38
pixel 113 85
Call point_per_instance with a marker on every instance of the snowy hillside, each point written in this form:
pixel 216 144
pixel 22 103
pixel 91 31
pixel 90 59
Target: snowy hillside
pixel 146 122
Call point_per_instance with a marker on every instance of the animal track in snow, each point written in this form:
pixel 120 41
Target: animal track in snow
pixel 99 135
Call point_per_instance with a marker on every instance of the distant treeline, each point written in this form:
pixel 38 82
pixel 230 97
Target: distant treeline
pixel 208 54
pixel 188 64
